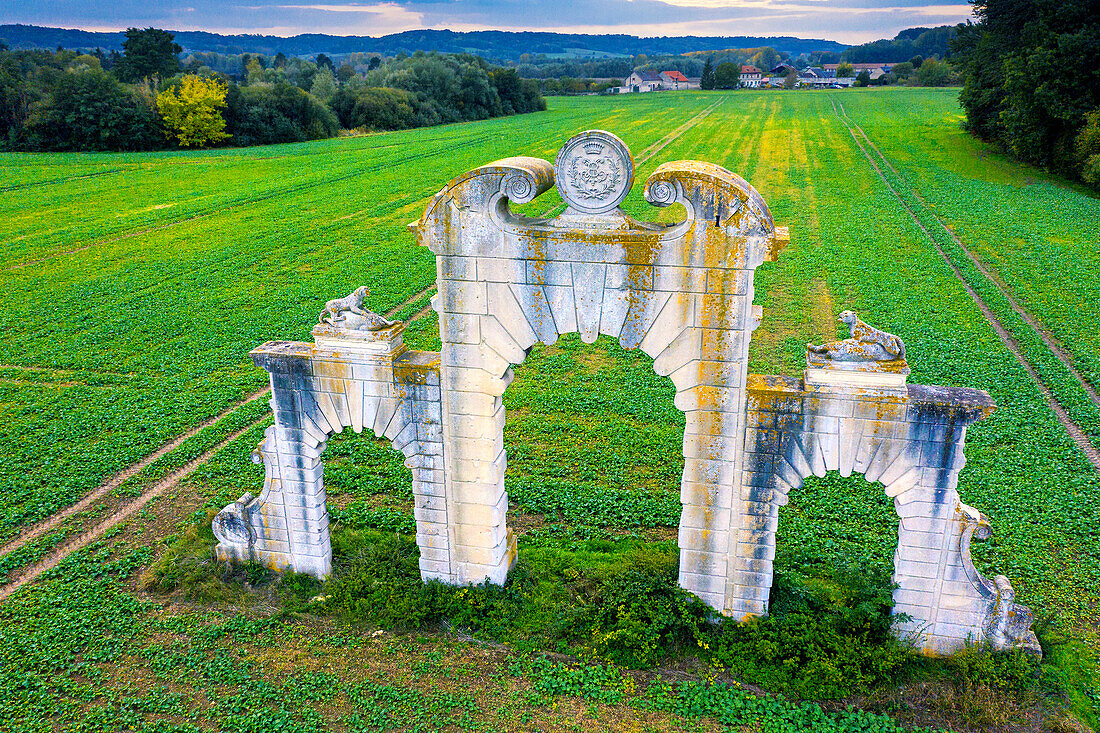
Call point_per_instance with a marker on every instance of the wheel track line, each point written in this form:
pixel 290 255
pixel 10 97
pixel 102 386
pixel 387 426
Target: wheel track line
pixel 411 299
pixel 668 139
pixel 242 203
pixel 116 480
pixel 122 514
pixel 1076 434
pixel 1047 337
pixel 50 182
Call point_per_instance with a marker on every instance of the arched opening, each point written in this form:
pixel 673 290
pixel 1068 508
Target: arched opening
pixel 594 445
pixel 367 484
pixel 834 527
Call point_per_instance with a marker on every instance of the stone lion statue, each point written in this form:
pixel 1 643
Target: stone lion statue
pixel 867 343
pixel 348 313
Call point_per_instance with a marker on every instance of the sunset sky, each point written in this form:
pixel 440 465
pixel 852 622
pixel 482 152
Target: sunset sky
pixel 849 21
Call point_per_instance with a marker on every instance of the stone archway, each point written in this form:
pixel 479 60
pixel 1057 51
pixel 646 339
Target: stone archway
pixel 682 293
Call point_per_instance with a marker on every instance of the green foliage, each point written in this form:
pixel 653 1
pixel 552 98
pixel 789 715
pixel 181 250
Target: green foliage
pixel 259 115
pixel 192 113
pixel 845 70
pixel 907 45
pixel 707 79
pixel 1088 149
pixel 589 421
pixel 90 110
pixel 863 79
pixel 1019 90
pixel 635 613
pixel 904 70
pixel 821 639
pixel 742 710
pixel 455 88
pixel 731 706
pixel 766 59
pixel 151 52
pixel 727 75
pixel 324 85
pixel 933 73
pixel 274 102
pixel 382 108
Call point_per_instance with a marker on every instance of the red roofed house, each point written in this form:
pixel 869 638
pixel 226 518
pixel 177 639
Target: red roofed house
pixel 675 80
pixel 750 77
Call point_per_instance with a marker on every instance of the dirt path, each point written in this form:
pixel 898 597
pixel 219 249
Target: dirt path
pixel 1048 338
pixel 1075 432
pixel 104 488
pixel 122 514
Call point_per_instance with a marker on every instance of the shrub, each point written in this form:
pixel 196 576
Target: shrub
pixel 192 112
pixel 933 73
pixel 89 110
pixel 820 640
pixel 1088 149
pixel 638 615
pixel 259 115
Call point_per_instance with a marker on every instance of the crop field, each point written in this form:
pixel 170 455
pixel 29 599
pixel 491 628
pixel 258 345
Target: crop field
pixel 135 285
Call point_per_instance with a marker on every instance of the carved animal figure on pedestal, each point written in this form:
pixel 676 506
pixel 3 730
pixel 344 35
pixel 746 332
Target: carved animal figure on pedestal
pixel 867 343
pixel 348 312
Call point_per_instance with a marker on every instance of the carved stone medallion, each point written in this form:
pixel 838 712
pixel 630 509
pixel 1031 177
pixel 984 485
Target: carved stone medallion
pixel 594 172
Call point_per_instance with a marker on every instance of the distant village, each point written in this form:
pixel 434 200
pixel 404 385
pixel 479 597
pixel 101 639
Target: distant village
pixel 824 76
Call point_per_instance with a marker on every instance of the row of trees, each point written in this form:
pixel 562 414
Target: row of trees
pixel 147 98
pixel 1031 71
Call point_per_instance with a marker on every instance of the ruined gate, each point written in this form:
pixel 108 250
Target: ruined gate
pixel 683 294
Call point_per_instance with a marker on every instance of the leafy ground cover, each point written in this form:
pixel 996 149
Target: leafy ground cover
pixel 142 331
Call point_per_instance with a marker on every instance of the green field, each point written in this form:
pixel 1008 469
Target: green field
pixel 135 285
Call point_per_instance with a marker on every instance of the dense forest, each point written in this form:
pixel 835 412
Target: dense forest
pixel 923 42
pixel 148 97
pixel 494 45
pixel 1031 71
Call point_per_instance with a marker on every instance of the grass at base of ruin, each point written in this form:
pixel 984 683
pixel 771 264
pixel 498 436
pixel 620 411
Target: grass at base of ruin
pixel 608 613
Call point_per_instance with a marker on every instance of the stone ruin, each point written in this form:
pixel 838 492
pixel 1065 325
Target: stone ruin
pixel 683 293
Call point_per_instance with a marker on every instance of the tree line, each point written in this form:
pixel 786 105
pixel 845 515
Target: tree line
pixel 149 98
pixel 1031 72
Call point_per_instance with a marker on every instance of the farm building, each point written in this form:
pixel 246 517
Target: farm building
pixel 751 77
pixel 676 80
pixel 875 70
pixel 642 81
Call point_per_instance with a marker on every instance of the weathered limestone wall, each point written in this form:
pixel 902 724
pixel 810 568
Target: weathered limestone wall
pixel 908 438
pixel 318 390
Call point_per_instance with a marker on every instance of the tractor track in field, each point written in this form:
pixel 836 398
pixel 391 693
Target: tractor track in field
pixel 409 301
pixel 1075 432
pixel 670 138
pixel 51 181
pixel 49 523
pixel 86 538
pixel 1048 338
pixel 247 201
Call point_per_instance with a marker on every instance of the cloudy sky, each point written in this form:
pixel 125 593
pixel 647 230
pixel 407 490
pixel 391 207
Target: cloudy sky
pixel 849 21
